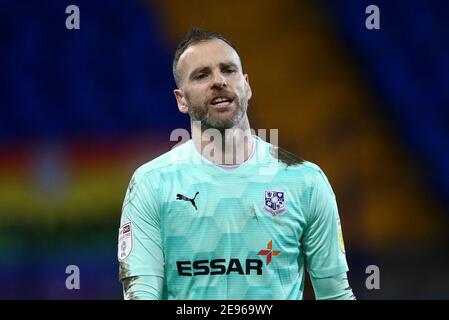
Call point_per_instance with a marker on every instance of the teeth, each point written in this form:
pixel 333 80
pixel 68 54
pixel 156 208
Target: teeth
pixel 219 100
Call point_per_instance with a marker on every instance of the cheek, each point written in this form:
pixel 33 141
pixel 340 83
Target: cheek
pixel 196 101
pixel 196 95
pixel 243 92
pixel 242 87
pixel 248 92
pixel 191 98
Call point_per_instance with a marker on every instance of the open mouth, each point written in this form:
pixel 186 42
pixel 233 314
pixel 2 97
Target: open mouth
pixel 221 101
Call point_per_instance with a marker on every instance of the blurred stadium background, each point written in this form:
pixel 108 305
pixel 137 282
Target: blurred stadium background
pixel 81 109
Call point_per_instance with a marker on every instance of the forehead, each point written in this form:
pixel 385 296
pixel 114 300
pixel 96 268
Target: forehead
pixel 207 53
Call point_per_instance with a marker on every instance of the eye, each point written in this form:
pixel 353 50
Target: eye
pixel 199 76
pixel 229 70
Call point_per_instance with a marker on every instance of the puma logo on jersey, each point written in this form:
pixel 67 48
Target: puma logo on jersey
pixel 192 201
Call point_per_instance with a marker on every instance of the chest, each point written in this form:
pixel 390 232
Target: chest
pixel 233 216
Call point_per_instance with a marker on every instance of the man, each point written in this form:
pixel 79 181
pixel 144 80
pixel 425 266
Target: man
pixel 231 218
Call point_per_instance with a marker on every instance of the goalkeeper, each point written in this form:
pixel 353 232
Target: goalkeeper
pixel 244 221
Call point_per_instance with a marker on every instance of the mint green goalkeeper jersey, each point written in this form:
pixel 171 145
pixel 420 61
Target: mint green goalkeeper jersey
pixel 246 233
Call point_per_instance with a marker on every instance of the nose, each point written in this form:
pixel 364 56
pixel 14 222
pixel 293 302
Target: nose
pixel 218 81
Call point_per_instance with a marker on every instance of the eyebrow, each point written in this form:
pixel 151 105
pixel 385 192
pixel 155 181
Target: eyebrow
pixel 204 68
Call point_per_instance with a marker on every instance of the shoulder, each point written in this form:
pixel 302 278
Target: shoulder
pixel 308 173
pixel 290 161
pixel 165 162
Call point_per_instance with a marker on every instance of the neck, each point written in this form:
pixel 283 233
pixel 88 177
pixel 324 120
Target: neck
pixel 230 146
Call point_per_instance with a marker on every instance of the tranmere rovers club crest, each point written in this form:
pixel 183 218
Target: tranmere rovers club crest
pixel 275 202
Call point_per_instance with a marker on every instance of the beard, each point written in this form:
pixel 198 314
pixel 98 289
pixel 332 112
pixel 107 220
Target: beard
pixel 209 120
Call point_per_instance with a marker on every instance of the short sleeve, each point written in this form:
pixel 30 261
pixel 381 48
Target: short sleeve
pixel 140 251
pixel 323 239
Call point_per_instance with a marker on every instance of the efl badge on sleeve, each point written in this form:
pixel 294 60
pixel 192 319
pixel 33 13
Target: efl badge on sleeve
pixel 124 241
pixel 275 202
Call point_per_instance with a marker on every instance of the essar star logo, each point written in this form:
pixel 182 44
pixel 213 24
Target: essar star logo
pixel 269 252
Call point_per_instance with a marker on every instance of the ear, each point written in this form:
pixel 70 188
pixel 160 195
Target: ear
pixel 181 101
pixel 248 87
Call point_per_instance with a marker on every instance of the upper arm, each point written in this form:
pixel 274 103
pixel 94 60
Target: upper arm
pixel 322 240
pixel 140 251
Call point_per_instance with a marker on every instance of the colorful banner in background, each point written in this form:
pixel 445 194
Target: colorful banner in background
pixel 82 109
pixel 48 183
